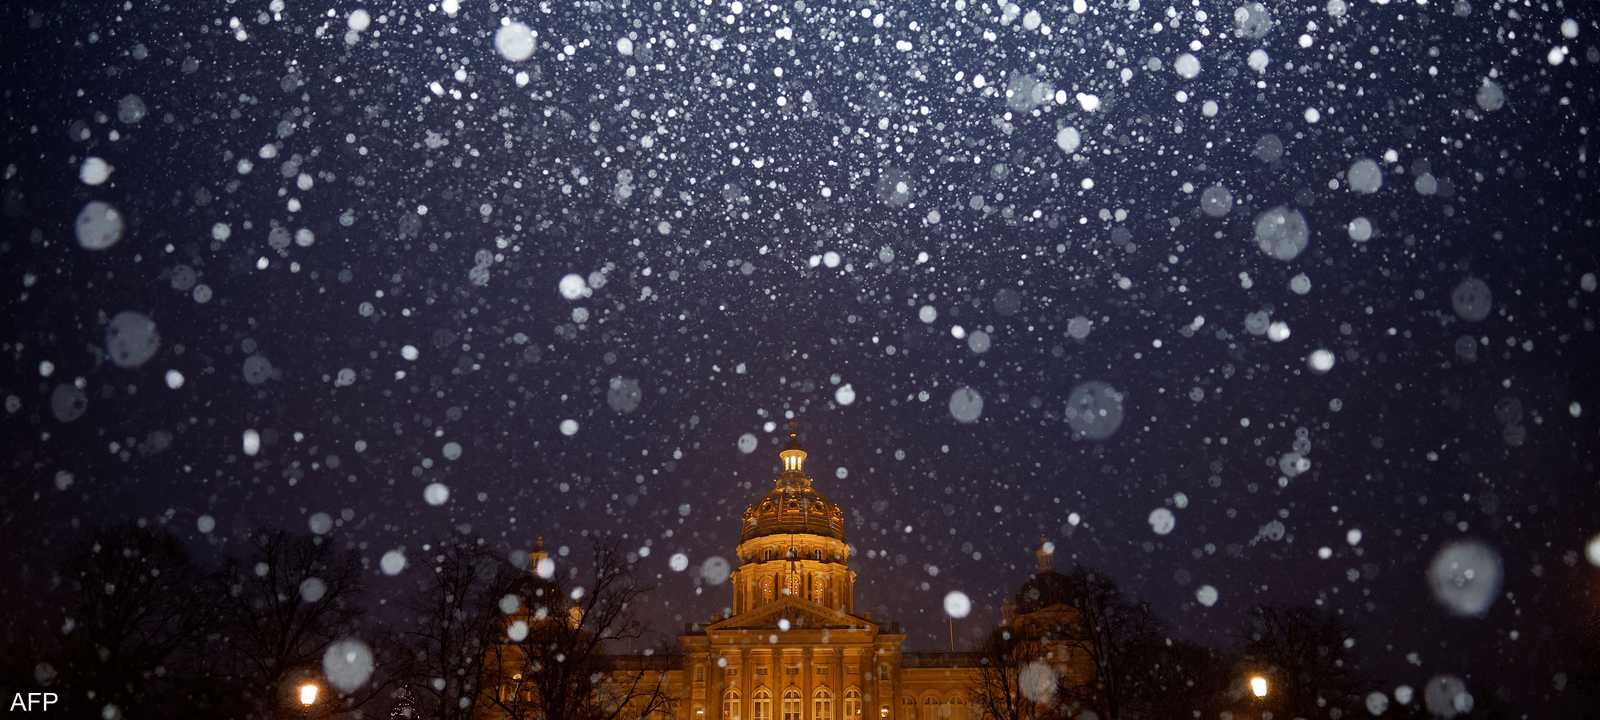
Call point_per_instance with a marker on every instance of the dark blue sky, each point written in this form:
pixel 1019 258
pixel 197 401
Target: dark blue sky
pixel 770 204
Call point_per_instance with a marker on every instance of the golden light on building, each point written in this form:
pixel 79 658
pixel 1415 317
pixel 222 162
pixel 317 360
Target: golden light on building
pixel 1258 686
pixel 791 645
pixel 308 694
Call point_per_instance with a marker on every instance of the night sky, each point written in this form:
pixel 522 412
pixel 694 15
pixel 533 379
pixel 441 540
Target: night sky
pixel 1313 281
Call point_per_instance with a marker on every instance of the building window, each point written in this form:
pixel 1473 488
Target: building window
pixel 852 704
pixel 763 705
pixel 699 673
pixel 822 705
pixel 791 704
pixel 730 705
pixel 930 709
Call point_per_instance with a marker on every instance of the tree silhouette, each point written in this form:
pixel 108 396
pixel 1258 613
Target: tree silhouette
pixel 1117 640
pixel 133 616
pixel 1182 678
pixel 456 618
pixel 1017 680
pixel 1303 652
pixel 552 660
pixel 279 608
pixel 1076 644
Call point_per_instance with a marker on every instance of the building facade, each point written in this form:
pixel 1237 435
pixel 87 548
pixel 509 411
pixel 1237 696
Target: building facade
pixel 793 646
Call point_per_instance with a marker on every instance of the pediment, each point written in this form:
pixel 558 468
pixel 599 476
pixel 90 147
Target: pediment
pixel 801 615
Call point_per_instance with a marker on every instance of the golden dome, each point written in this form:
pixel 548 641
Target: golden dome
pixel 793 506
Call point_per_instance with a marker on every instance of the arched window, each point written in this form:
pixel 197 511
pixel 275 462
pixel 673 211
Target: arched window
pixel 852 704
pixel 763 705
pixel 791 704
pixel 730 705
pixel 930 708
pixel 947 709
pixel 822 705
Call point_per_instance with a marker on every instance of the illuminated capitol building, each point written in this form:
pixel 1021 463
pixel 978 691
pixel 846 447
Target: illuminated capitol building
pixel 794 647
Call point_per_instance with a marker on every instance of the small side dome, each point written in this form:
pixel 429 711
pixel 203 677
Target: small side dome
pixel 1044 589
pixel 1047 587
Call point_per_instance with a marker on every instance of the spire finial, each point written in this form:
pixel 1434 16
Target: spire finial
pixel 1045 554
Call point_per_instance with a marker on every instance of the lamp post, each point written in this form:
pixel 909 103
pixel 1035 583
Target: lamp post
pixel 1258 686
pixel 308 695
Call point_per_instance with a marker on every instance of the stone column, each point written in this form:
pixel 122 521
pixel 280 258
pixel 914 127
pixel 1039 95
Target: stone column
pixel 879 695
pixel 714 682
pixel 746 685
pixel 805 683
pixel 836 679
pixel 891 688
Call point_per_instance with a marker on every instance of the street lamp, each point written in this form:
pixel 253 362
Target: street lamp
pixel 1258 686
pixel 308 694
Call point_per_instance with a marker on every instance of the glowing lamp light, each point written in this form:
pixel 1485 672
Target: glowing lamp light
pixel 308 694
pixel 1258 686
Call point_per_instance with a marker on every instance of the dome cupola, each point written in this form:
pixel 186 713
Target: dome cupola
pixel 793 506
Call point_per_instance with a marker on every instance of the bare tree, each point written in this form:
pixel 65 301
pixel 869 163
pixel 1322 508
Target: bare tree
pixel 280 608
pixel 1303 651
pixel 1183 679
pixel 131 623
pixel 553 661
pixel 456 620
pixel 1117 640
pixel 1017 681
